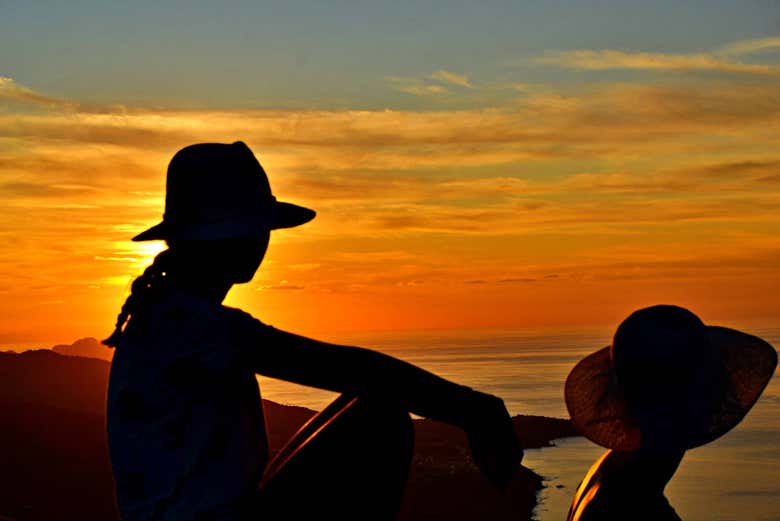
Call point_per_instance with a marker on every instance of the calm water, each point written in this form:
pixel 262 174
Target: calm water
pixel 736 478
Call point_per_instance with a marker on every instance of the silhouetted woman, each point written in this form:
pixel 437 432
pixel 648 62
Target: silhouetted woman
pixel 185 423
pixel 667 384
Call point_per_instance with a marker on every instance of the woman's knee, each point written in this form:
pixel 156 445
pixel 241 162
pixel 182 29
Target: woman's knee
pixel 383 420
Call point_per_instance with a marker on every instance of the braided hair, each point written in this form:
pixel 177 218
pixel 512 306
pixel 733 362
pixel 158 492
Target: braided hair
pixel 145 286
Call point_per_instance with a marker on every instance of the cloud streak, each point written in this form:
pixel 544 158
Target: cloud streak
pixel 435 84
pixel 544 125
pixel 12 91
pixel 415 86
pixel 609 59
pixel 613 182
pixel 721 60
pixel 461 80
pixel 750 46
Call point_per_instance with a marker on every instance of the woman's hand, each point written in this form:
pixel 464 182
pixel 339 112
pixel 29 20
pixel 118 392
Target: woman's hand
pixel 494 444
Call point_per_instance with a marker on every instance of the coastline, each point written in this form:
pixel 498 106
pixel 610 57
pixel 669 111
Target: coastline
pixel 56 456
pixel 444 484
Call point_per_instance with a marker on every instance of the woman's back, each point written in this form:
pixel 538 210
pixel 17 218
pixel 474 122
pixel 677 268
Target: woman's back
pixel 185 425
pixel 623 486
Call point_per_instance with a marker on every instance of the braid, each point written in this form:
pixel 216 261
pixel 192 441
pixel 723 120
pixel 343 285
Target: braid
pixel 144 286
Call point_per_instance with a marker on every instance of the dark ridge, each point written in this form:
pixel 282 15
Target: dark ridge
pixel 87 347
pixel 55 465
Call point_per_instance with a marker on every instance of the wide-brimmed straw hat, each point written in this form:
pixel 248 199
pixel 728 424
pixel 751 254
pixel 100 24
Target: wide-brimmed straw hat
pixel 219 191
pixel 668 381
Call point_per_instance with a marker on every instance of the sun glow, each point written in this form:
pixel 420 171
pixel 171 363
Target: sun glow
pixel 144 253
pixel 617 194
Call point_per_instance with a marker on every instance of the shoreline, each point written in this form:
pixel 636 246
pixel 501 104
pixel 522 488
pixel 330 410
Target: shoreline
pixel 54 447
pixel 444 484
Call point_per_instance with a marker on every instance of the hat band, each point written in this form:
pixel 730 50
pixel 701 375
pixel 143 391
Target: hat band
pixel 177 222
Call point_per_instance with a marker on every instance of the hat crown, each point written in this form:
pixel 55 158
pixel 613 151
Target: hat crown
pixel 658 352
pixel 218 191
pixel 212 182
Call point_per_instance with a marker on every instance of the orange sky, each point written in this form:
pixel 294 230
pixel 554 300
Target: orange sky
pixel 566 204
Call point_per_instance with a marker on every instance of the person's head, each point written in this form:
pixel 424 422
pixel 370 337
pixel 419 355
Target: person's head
pixel 668 373
pixel 219 212
pixel 668 382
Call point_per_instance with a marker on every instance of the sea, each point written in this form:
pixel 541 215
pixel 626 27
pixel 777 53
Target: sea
pixel 735 478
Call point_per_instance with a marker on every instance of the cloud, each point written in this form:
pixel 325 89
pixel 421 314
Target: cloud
pixel 376 257
pixel 423 90
pixel 461 80
pixel 11 90
pixel 540 118
pixel 750 46
pixel 316 147
pixel 719 60
pixel 611 113
pixel 415 86
pixel 431 85
pixel 607 161
pixel 625 182
pixel 616 60
pixel 611 181
pixel 524 168
pixel 398 187
pixel 740 168
pixel 726 176
pixel 41 189
pixel 280 286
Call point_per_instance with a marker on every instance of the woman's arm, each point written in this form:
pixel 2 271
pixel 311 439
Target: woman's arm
pixel 363 372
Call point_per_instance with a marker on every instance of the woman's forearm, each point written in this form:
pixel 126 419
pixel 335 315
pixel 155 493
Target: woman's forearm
pixel 364 372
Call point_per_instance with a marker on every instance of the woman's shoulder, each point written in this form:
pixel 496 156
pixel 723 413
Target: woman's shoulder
pixel 185 329
pixel 204 311
pixel 589 487
pixel 179 317
pixel 610 491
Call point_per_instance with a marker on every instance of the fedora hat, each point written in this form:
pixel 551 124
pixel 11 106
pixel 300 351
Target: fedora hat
pixel 667 380
pixel 219 191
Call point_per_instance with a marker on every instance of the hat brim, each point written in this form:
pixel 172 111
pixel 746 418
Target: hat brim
pixel 279 215
pixel 600 412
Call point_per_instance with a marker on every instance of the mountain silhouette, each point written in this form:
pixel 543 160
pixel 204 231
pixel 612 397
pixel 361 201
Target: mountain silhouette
pixel 88 347
pixel 55 464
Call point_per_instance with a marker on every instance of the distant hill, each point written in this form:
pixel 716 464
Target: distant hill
pixel 55 465
pixel 87 347
pixel 45 378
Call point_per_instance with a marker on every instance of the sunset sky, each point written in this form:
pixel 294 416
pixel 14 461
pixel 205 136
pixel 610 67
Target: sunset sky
pixel 473 164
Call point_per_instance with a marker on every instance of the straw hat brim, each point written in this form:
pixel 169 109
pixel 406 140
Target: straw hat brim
pixel 601 413
pixel 276 216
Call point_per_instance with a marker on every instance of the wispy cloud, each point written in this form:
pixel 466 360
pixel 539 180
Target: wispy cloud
pixel 721 60
pixel 283 285
pixel 461 80
pixel 415 86
pixel 750 46
pixel 436 83
pixel 11 90
pixel 341 156
pixel 441 196
pixel 613 59
pixel 607 115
